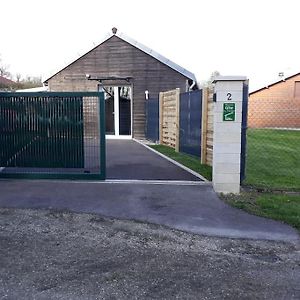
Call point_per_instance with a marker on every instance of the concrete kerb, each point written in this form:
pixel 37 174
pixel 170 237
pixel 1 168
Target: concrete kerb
pixel 156 182
pixel 118 181
pixel 174 162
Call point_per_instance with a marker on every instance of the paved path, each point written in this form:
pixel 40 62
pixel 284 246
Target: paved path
pixel 127 159
pixel 192 208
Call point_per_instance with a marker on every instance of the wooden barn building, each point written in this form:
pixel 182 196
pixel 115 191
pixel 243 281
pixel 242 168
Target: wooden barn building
pixel 126 71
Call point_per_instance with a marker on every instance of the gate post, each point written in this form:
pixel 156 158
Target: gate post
pixel 227 133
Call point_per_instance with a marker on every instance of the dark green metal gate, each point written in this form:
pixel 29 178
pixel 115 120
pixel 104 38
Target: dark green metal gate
pixel 52 135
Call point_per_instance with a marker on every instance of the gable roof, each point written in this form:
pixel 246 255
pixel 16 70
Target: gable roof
pixel 274 83
pixel 6 81
pixel 141 47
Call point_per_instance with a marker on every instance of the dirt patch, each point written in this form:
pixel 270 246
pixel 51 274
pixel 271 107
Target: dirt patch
pixel 60 255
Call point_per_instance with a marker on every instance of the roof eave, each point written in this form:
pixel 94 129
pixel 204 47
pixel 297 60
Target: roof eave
pixel 157 56
pixel 274 83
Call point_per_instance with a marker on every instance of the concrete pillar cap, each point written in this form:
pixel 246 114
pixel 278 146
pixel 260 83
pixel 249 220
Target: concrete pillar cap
pixel 229 78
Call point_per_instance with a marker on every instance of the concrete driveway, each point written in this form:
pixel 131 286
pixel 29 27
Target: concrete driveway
pixel 127 159
pixel 192 207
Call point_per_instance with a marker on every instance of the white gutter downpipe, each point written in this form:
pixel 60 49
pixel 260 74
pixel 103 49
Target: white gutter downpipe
pixel 193 84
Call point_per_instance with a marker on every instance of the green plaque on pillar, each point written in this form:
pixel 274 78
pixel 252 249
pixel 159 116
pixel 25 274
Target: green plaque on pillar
pixel 229 112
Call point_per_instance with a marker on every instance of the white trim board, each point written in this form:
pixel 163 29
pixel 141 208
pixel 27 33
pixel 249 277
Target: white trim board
pixel 173 161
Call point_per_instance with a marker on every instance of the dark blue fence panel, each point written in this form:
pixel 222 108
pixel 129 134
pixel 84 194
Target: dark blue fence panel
pixel 244 131
pixel 190 122
pixel 152 119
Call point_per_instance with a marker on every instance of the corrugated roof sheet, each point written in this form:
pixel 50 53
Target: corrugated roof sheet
pixel 143 48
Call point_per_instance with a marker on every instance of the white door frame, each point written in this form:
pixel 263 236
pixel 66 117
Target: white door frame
pixel 117 135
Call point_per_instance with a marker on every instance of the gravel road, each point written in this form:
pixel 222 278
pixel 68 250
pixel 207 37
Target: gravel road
pixel 48 254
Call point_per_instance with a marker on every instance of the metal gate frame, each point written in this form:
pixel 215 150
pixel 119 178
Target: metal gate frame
pixel 85 176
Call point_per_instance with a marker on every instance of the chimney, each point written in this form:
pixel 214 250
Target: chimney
pixel 281 75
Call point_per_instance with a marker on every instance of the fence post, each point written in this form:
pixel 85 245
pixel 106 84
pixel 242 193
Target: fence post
pixel 227 133
pixel 161 95
pixel 177 134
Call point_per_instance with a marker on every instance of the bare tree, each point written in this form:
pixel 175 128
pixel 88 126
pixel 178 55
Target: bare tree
pixel 209 82
pixel 18 77
pixel 213 75
pixel 30 82
pixel 4 69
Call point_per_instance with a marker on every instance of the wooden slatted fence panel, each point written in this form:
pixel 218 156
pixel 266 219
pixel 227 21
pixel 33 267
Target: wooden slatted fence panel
pixel 169 118
pixel 207 126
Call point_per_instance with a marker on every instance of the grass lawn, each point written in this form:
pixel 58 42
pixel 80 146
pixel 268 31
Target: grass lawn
pixel 189 161
pixel 273 163
pixel 273 159
pixel 281 207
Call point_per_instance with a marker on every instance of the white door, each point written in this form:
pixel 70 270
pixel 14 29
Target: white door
pixel 118 111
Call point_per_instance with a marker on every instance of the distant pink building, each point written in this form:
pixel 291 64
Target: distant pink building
pixel 6 83
pixel 277 105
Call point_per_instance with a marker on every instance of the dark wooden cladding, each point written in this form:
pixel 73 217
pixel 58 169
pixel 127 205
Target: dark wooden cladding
pixel 116 57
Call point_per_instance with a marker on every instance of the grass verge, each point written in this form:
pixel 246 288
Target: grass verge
pixel 281 207
pixel 189 161
pixel 273 159
pixel 272 165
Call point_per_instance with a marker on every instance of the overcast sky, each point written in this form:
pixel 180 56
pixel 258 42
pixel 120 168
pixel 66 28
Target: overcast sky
pixel 255 38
